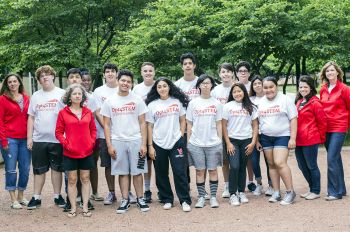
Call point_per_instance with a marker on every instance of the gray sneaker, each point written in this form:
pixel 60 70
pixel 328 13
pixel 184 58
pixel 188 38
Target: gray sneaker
pixel 288 198
pixel 276 196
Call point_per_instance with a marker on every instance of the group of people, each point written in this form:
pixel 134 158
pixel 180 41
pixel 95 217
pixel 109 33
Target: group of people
pixel 192 122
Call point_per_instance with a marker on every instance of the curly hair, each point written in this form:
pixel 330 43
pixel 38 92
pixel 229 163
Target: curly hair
pixel 246 102
pixel 45 69
pixel 174 92
pixel 66 97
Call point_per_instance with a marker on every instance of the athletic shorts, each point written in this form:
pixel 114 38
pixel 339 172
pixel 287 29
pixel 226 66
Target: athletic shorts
pixel 46 155
pixel 271 142
pixel 71 164
pixel 205 157
pixel 128 161
pixel 103 150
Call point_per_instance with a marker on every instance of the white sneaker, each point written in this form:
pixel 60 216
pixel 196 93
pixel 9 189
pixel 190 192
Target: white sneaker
pixel 243 198
pixel 186 207
pixel 132 198
pixel 16 205
pixel 24 201
pixel 234 200
pixel 200 203
pixel 167 206
pixel 258 190
pixel 206 196
pixel 225 194
pixel 269 191
pixel 214 202
pixel 276 196
pixel 304 195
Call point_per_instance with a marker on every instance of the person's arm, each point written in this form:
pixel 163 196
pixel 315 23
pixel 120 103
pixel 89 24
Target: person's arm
pixel 230 149
pixel 99 117
pixel 143 129
pixel 189 130
pixel 30 130
pixel 182 125
pixel 293 133
pixel 3 139
pixel 60 130
pixel 107 131
pixel 249 148
pixel 151 151
pixel 219 128
pixel 93 130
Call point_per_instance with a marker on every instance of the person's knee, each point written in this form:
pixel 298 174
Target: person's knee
pixel 72 180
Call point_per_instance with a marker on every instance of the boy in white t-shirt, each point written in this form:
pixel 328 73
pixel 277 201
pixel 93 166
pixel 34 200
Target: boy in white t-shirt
pixel 142 89
pixel 41 140
pixel 125 131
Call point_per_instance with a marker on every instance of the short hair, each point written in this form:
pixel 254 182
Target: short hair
pixel 66 97
pixel 324 78
pixel 204 77
pixel 227 66
pixel 74 71
pixel 110 66
pixel 45 69
pixel 125 72
pixel 6 90
pixel 245 64
pixel 84 71
pixel 147 63
pixel 270 78
pixel 187 55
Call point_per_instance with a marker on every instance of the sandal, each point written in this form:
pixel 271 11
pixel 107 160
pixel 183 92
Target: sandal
pixel 87 213
pixel 72 214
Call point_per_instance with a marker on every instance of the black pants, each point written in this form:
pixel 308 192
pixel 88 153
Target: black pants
pixel 178 164
pixel 238 165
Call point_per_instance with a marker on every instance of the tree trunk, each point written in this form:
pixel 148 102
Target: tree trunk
pixel 303 66
pixel 287 77
pixel 297 72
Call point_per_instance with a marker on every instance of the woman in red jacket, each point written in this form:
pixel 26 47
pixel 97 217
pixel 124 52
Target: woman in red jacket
pixel 76 131
pixel 13 136
pixel 335 98
pixel 311 132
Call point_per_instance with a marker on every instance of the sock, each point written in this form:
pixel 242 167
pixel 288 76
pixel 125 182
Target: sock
pixel 147 185
pixel 56 195
pixel 226 185
pixel 201 189
pixel 213 188
pixel 37 197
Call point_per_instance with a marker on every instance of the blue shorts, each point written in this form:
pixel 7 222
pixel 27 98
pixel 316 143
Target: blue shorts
pixel 271 142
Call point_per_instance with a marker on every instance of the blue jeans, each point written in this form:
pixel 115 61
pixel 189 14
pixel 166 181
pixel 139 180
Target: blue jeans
pixel 17 152
pixel 307 163
pixel 335 184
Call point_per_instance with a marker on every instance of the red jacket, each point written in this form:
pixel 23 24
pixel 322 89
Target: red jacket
pixel 312 123
pixel 77 136
pixel 13 121
pixel 336 105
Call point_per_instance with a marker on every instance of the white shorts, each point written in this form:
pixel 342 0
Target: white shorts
pixel 128 160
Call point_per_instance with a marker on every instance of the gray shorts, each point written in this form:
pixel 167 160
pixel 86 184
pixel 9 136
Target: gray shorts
pixel 205 157
pixel 128 160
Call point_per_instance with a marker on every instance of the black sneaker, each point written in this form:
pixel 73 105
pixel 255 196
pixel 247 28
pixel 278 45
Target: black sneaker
pixel 90 205
pixel 148 196
pixel 59 201
pixel 124 206
pixel 251 186
pixel 67 207
pixel 142 205
pixel 34 204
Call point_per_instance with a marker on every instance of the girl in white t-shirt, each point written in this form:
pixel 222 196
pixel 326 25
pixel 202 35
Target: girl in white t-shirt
pixel 240 131
pixel 278 127
pixel 166 127
pixel 204 132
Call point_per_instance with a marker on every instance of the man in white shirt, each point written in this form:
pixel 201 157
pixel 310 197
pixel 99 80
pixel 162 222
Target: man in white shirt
pixel 126 135
pixel 47 152
pixel 142 89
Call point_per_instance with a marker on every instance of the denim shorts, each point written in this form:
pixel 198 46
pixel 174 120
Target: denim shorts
pixel 205 157
pixel 271 142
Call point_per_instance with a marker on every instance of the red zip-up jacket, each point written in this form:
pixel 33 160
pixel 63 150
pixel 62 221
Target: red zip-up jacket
pixel 312 123
pixel 76 135
pixel 336 105
pixel 13 121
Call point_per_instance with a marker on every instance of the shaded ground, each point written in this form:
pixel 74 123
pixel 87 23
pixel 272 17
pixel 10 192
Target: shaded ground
pixel 257 215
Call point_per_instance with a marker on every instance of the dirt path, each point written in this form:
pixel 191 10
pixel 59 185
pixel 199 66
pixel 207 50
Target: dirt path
pixel 257 215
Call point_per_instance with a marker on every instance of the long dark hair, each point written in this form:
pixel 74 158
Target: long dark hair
pixel 174 92
pixel 311 83
pixel 5 88
pixel 246 102
pixel 255 78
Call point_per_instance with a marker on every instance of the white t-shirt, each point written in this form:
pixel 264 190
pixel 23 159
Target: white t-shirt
pixel 165 114
pixel 100 95
pixel 124 112
pixel 188 87
pixel 255 100
pixel 204 113
pixel 44 106
pixel 239 121
pixel 275 115
pixel 221 93
pixel 90 102
pixel 142 90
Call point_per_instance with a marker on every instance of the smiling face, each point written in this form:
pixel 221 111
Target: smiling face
pixel 76 96
pixel 125 84
pixel 258 87
pixel 243 74
pixel 205 87
pixel 331 73
pixel 13 84
pixel 86 82
pixel 304 89
pixel 163 90
pixel 188 66
pixel 147 73
pixel 226 75
pixel 270 89
pixel 237 94
pixel 110 76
